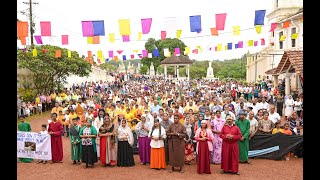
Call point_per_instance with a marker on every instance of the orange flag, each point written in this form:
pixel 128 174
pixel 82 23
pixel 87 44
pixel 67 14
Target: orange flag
pixel 22 29
pixel 95 40
pixel 286 24
pixel 87 59
pixel 58 53
pixel 23 40
pixel 214 32
pixel 115 58
pixel 90 54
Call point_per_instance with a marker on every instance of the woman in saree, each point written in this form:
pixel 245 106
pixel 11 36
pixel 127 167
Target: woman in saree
pixel 108 134
pixel 125 144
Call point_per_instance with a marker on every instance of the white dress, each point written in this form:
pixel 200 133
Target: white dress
pixel 289 107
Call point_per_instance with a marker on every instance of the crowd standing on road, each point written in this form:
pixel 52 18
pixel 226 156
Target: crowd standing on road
pixel 170 122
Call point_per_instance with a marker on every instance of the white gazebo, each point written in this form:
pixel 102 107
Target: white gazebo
pixel 177 61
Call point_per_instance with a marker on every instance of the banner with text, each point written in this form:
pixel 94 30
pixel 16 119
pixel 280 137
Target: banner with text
pixel 33 145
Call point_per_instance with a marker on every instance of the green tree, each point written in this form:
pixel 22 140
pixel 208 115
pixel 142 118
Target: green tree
pixel 49 72
pixel 108 67
pixel 152 44
pixel 144 69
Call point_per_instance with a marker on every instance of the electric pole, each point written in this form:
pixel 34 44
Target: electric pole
pixel 32 24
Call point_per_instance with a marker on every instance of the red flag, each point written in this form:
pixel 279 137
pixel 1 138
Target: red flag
pixel 65 39
pixel 220 21
pixel 163 35
pixel 119 52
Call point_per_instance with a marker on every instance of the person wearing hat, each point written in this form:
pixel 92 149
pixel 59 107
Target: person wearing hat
pixel 244 126
pixel 230 134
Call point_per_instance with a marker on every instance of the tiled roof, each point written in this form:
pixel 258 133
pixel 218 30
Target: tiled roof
pixel 294 58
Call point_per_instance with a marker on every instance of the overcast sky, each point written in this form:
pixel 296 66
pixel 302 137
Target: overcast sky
pixel 66 17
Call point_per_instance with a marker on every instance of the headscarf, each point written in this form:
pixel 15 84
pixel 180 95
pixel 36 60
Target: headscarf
pixel 154 127
pixel 199 122
pixel 126 130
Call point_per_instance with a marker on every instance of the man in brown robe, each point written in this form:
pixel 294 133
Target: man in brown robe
pixel 176 134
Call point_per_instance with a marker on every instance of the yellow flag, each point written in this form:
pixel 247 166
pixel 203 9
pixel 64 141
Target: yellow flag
pixel 111 37
pixel 236 30
pixel 166 52
pixel 226 47
pixel 219 47
pixel 250 42
pixel 69 53
pixel 178 33
pixel 89 40
pixel 294 36
pixel 99 53
pixel 187 50
pixel 102 60
pixel 34 52
pixel 283 37
pixel 199 47
pixel 258 29
pixel 124 27
pixel 136 50
pixel 139 36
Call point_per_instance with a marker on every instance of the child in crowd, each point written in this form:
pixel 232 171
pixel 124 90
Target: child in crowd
pixel 286 130
pixel 43 131
pixel 277 129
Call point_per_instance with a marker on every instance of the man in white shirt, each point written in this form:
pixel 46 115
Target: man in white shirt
pixel 264 105
pixel 227 111
pixel 274 116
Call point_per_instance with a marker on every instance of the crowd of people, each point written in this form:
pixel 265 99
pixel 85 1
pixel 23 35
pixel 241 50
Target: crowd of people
pixel 172 123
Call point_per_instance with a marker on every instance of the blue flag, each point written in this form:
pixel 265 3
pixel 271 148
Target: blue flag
pixel 259 17
pixel 156 53
pixel 124 57
pixel 98 28
pixel 229 46
pixel 195 23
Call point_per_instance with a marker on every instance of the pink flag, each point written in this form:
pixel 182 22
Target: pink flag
pixel 163 35
pixel 65 39
pixel 132 56
pixel 240 44
pixel 220 21
pixel 177 51
pixel 273 26
pixel 119 51
pixel 125 38
pixel 110 54
pixel 87 28
pixel 146 25
pixel 263 42
pixel 255 43
pixel 38 39
pixel 45 28
pixel 144 53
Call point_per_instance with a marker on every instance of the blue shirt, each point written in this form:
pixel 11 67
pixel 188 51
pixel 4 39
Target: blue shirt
pixel 155 109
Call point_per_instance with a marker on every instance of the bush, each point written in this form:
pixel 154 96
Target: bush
pixel 27 94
